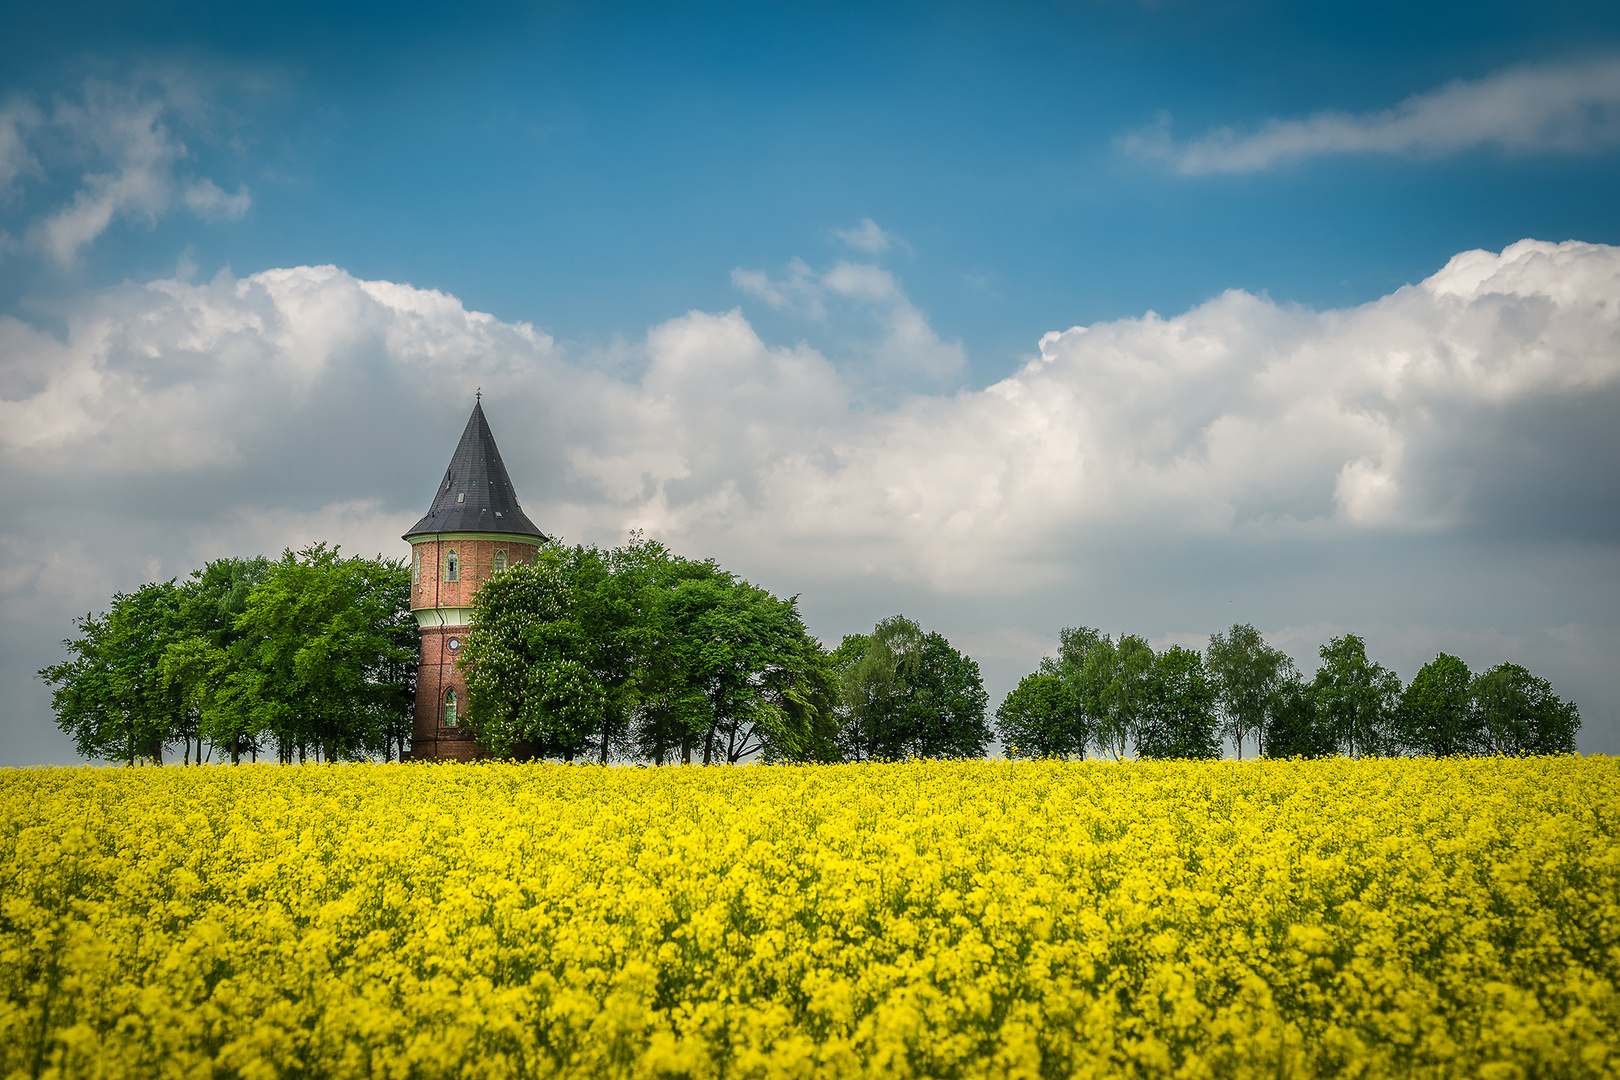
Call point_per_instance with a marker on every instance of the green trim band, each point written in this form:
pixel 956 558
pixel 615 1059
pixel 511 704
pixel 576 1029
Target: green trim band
pixel 509 538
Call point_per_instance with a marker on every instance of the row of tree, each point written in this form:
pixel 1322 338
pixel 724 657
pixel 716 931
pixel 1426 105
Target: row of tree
pixel 636 653
pixel 1120 697
pixel 309 655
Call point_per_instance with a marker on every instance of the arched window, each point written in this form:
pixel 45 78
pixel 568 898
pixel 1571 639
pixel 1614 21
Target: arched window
pixel 500 561
pixel 452 566
pixel 416 567
pixel 449 708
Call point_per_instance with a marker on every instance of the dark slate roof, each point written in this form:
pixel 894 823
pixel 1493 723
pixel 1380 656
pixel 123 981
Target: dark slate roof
pixel 477 495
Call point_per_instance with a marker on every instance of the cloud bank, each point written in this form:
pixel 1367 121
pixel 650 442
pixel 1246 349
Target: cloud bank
pixel 1151 465
pixel 1553 108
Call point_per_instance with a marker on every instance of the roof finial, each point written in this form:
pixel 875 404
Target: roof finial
pixel 479 396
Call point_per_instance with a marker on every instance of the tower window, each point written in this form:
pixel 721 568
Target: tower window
pixel 452 566
pixel 449 708
pixel 500 561
pixel 416 567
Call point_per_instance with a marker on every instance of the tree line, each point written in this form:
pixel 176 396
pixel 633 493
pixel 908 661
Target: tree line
pixel 310 655
pixel 638 654
pixel 1120 697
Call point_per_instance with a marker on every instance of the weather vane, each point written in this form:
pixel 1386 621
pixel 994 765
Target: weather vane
pixel 478 396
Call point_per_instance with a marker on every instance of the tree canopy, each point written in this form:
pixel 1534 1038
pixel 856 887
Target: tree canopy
pixel 908 693
pixel 640 651
pixel 312 653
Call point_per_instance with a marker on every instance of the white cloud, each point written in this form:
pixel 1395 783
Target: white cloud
pixel 210 202
pixel 134 162
pixel 1132 467
pixel 17 120
pixel 1565 108
pixel 907 353
pixel 866 237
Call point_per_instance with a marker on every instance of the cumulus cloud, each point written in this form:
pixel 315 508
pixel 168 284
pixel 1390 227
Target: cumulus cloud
pixel 865 237
pixel 1551 108
pixel 133 166
pixel 1135 465
pixel 907 351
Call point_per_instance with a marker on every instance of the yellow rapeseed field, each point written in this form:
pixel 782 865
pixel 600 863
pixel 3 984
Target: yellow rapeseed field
pixel 1371 918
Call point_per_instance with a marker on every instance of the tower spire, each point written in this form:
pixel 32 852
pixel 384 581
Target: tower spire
pixel 476 495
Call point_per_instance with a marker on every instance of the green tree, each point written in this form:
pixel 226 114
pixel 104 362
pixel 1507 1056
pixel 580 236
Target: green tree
pixel 1356 698
pixel 1114 685
pixel 908 693
pixel 1437 715
pixel 205 665
pixel 1041 718
pixel 1076 649
pixel 110 695
pixel 528 660
pixel 1520 714
pixel 1245 674
pixel 324 641
pixel 1294 725
pixel 1177 716
pixel 637 649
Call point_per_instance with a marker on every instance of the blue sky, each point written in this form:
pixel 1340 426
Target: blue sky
pixel 595 168
pixel 898 201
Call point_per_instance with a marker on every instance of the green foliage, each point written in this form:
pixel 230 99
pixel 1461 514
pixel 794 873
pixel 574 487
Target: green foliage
pixel 1356 698
pixel 323 642
pixel 909 694
pixel 1294 727
pixel 1040 718
pixel 312 651
pixel 1177 716
pixel 1245 674
pixel 1519 714
pixel 1113 685
pixel 1437 715
pixel 110 696
pixel 639 650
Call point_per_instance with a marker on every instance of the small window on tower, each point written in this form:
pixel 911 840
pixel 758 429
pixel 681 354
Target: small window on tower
pixel 500 561
pixel 452 566
pixel 416 568
pixel 449 708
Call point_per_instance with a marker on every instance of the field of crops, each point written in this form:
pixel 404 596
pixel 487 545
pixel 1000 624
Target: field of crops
pixel 1332 918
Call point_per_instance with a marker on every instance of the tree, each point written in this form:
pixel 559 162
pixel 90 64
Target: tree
pixel 325 639
pixel 1294 726
pixel 908 693
pixel 110 696
pixel 530 662
pixel 638 649
pixel 1245 674
pixel 1114 687
pixel 1437 715
pixel 1041 718
pixel 1356 698
pixel 1177 714
pixel 205 665
pixel 1519 714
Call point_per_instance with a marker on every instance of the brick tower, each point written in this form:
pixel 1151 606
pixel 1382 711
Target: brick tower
pixel 475 528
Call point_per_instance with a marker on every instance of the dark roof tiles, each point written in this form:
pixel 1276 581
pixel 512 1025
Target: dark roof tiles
pixel 477 495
